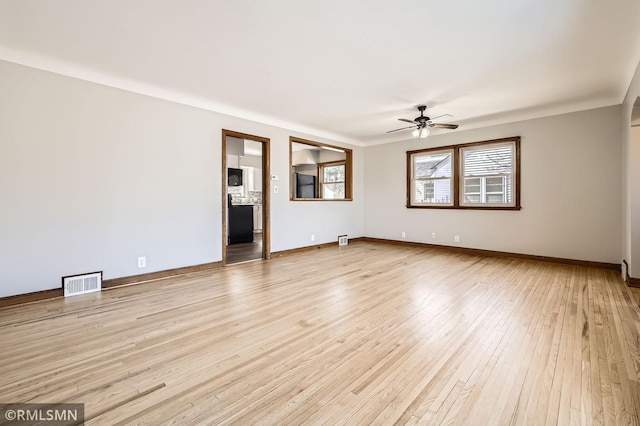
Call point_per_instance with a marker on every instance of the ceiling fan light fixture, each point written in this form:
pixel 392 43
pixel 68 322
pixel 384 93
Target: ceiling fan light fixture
pixel 421 125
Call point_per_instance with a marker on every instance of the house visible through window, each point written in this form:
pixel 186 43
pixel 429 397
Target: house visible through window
pixel 432 178
pixel 487 170
pixel 475 175
pixel 333 180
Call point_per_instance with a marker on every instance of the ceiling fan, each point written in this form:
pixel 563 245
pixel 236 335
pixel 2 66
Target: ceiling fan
pixel 423 124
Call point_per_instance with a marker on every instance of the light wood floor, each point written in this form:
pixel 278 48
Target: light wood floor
pixel 366 334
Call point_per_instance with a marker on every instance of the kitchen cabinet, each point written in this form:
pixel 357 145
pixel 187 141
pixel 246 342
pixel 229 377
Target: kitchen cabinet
pixel 257 218
pixel 257 180
pixel 253 178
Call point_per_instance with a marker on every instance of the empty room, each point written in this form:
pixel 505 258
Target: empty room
pixel 338 212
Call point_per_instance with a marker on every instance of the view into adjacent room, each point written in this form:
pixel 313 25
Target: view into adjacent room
pixel 244 200
pixel 319 171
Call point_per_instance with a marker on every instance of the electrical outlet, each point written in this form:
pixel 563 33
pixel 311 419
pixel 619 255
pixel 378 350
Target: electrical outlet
pixel 456 238
pixel 404 234
pixel 313 237
pixel 142 261
pixel 433 235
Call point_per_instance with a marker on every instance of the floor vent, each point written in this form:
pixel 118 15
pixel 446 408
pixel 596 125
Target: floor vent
pixel 343 240
pixel 80 284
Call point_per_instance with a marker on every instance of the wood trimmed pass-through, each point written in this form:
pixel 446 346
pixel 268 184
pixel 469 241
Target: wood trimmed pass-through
pixel 348 171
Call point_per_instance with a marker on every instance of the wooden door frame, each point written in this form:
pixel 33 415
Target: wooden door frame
pixel 266 190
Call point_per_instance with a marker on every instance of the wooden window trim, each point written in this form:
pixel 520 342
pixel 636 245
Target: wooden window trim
pixel 348 172
pixel 455 172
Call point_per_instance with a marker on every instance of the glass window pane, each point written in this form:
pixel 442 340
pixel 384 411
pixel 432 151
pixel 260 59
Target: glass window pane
pixel 333 173
pixel 487 160
pixel 491 165
pixel 433 191
pixel 333 190
pixel 429 191
pixel 442 191
pixel 432 165
pixel 485 174
pixel 472 186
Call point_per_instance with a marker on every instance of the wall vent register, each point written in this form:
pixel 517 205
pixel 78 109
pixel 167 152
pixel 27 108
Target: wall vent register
pixel 81 284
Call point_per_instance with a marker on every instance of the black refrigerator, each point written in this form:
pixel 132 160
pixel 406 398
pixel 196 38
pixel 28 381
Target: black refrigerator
pixel 305 186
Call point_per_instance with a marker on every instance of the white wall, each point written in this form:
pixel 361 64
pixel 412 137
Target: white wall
pixel 249 160
pixel 631 180
pixel 634 201
pixel 571 198
pixel 92 177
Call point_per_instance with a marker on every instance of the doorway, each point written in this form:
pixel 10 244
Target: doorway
pixel 245 197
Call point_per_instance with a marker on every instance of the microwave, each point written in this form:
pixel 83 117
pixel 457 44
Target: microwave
pixel 234 177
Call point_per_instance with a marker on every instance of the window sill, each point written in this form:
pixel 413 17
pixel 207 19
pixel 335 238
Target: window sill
pixel 320 199
pixel 466 207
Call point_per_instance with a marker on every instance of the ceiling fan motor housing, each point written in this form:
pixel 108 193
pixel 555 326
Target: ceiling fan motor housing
pixel 422 119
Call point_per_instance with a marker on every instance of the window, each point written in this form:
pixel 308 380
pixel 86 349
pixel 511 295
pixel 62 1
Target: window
pixel 487 171
pixel 332 185
pixel 479 175
pixel 432 183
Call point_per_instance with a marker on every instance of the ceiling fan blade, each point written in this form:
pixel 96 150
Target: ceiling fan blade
pixel 443 126
pixel 440 116
pixel 407 121
pixel 403 128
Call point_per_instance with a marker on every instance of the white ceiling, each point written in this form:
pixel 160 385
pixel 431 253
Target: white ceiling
pixel 342 69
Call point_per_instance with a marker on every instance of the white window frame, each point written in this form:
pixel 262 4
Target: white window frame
pixel 321 176
pixel 483 177
pixel 415 179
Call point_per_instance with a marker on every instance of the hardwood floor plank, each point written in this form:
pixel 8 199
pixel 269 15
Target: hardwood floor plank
pixel 365 334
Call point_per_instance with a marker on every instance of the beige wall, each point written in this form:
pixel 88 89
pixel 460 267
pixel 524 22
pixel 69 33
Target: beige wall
pixel 571 199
